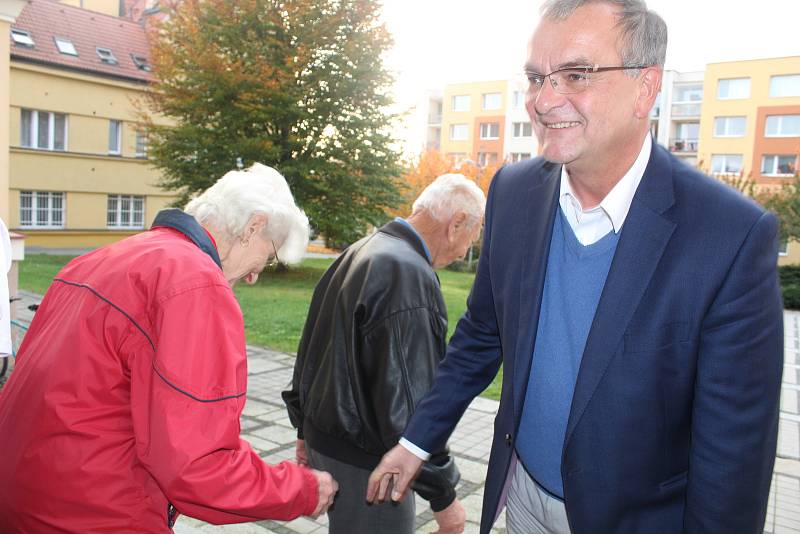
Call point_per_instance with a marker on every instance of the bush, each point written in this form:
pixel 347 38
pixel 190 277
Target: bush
pixel 790 286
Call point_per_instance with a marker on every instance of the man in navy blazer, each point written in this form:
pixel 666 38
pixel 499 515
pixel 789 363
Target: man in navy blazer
pixel 632 301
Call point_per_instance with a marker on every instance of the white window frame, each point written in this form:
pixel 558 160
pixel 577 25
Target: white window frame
pixel 725 163
pixel 117 222
pixel 728 120
pixel 106 55
pixel 459 127
pixel 483 158
pixel 518 100
pixel 462 99
pixel 783 248
pixel 774 171
pixel 779 118
pixel 22 37
pixel 34 197
pixel 518 130
pixel 112 151
pixel 141 145
pixel 773 88
pixel 65 46
pixel 141 62
pixel 486 128
pixel 736 97
pixel 516 157
pixel 489 106
pixel 33 140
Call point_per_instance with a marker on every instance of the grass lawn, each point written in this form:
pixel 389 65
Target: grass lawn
pixel 275 308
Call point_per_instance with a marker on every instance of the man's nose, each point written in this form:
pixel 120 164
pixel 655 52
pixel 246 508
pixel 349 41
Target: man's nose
pixel 547 98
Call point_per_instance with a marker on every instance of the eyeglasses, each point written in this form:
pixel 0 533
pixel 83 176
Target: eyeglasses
pixel 275 261
pixel 570 80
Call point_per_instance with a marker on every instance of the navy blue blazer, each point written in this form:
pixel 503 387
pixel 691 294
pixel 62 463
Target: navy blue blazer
pixel 674 419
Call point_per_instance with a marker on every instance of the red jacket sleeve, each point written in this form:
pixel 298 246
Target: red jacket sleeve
pixel 186 403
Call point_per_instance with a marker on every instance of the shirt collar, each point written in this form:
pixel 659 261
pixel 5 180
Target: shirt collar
pixel 617 203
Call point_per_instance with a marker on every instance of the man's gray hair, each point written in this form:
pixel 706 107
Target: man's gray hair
pixel 644 32
pixel 449 194
pixel 229 204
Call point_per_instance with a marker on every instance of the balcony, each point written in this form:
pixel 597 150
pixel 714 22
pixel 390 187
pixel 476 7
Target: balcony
pixel 683 145
pixel 686 109
pixel 435 119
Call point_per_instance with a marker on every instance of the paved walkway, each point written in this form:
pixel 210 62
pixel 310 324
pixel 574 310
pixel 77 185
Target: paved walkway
pixel 266 426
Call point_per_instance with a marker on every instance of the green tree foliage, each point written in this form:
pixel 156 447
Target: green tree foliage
pixel 785 202
pixel 295 84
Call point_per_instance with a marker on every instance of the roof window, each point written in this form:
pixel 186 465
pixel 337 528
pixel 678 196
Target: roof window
pixel 65 46
pixel 22 37
pixel 141 62
pixel 106 56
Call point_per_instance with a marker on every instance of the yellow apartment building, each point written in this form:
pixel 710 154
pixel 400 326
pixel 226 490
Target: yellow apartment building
pixel 474 121
pixel 79 174
pixel 750 124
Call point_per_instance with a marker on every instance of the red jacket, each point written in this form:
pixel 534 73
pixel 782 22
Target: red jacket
pixel 126 397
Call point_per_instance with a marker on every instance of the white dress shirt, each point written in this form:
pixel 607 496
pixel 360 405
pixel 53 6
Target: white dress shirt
pixel 592 224
pixel 5 308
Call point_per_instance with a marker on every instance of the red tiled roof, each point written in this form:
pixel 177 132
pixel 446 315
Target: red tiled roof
pixel 47 19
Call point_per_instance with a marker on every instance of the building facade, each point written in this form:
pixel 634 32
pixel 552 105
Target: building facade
pixel 79 174
pixel 750 124
pixel 675 119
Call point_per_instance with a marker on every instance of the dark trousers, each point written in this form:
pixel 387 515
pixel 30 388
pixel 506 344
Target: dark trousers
pixel 350 513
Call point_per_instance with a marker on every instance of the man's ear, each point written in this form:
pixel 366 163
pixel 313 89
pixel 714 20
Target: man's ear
pixel 456 224
pixel 649 86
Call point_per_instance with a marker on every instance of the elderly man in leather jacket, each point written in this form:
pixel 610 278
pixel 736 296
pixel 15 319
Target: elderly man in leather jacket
pixel 375 334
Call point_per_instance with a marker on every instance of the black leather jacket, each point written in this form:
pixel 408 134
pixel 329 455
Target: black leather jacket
pixel 375 334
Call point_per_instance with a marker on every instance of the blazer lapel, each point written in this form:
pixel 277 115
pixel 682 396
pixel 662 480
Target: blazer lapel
pixel 642 241
pixel 541 203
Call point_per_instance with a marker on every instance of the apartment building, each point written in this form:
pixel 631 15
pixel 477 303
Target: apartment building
pixel 675 118
pixel 486 123
pixel 750 124
pixel 79 174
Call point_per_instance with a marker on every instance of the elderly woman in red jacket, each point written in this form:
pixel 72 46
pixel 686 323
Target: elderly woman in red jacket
pixel 123 409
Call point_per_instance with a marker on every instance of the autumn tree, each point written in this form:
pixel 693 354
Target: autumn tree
pixel 295 84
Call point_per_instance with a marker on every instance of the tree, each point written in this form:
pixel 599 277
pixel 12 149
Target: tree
pixel 295 84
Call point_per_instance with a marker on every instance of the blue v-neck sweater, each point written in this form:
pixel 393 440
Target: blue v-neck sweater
pixel 575 278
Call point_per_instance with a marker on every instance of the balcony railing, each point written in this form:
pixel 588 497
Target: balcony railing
pixel 683 145
pixel 435 119
pixel 686 110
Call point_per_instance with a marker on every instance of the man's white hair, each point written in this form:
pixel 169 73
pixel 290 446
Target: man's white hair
pixel 229 204
pixel 450 193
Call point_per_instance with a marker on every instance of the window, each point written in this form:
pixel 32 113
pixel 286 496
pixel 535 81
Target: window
pixel 726 163
pixel 778 164
pixel 490 130
pixel 115 137
pixel 518 99
pixel 783 247
pixel 141 62
pixel 783 126
pixel 492 101
pixel 516 157
pixel 106 56
pixel 125 211
pixel 22 37
pixel 487 158
pixel 729 126
pixel 461 103
pixel 65 46
pixel 41 209
pixel 43 129
pixel 780 86
pixel 733 88
pixel 459 132
pixel 141 144
pixel 521 129
pixel 689 93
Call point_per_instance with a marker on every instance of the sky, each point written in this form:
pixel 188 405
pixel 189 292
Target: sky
pixel 448 41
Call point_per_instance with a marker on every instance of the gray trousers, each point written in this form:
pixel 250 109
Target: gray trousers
pixel 530 509
pixel 350 513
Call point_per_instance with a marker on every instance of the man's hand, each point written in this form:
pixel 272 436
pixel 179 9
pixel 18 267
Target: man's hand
pixel 300 454
pixel 451 520
pixel 398 467
pixel 327 491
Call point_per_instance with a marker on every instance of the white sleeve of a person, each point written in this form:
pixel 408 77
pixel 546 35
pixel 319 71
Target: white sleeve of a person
pixel 5 308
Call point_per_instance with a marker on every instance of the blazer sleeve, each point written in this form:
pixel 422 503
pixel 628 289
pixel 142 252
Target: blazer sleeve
pixel 737 393
pixel 473 356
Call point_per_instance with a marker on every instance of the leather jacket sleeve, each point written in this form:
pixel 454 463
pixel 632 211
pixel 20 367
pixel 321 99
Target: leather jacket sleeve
pixel 437 481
